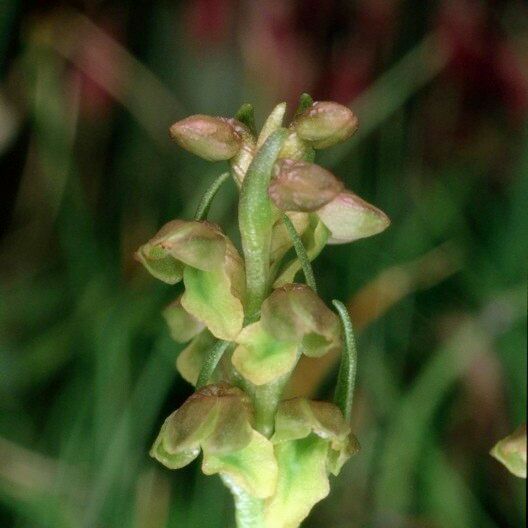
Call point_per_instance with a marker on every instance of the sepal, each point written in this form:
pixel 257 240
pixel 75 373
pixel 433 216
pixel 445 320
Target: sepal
pixel 302 186
pixel 348 217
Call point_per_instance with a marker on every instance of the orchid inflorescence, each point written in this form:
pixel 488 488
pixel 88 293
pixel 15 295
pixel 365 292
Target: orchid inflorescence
pixel 247 321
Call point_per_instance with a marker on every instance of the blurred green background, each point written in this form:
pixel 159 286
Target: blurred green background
pixel 88 90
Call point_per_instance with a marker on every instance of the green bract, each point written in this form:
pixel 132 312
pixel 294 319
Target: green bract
pixel 246 321
pixel 217 420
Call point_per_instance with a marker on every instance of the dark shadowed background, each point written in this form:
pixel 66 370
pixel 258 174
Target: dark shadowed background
pixel 88 90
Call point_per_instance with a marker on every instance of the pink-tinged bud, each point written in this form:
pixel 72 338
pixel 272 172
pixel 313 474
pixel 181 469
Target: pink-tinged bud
pixel 349 218
pixel 325 124
pixel 211 138
pixel 302 186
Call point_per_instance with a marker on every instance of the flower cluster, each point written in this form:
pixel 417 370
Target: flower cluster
pixel 247 321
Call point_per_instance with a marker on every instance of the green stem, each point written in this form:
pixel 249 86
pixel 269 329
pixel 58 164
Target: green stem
pixel 207 198
pixel 301 253
pixel 249 511
pixel 266 399
pixel 211 362
pixel 346 379
pixel 255 218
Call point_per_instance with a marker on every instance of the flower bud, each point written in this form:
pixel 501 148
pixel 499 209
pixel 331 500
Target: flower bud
pixel 211 138
pixel 350 218
pixel 325 124
pixel 301 186
pixel 511 451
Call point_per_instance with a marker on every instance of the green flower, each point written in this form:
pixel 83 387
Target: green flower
pixel 294 320
pixel 217 420
pixel 312 441
pixel 511 451
pixel 211 268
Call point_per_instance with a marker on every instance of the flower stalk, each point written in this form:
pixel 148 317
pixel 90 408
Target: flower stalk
pixel 247 321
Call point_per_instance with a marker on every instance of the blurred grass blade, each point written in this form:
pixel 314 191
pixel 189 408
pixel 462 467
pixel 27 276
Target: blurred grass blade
pixel 392 90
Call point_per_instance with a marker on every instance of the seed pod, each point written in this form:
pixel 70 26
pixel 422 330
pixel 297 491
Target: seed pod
pixel 349 218
pixel 211 138
pixel 301 186
pixel 325 124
